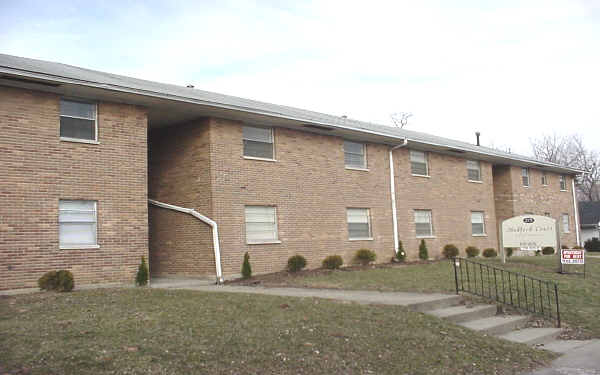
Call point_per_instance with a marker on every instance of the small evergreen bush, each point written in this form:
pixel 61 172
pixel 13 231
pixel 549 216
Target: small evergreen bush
pixel 423 253
pixel 400 255
pixel 490 253
pixel 365 256
pixel 450 251
pixel 593 244
pixel 60 281
pixel 509 251
pixel 333 262
pixel 246 268
pixel 141 278
pixel 578 247
pixel 296 263
pixel 563 246
pixel 472 251
pixel 548 250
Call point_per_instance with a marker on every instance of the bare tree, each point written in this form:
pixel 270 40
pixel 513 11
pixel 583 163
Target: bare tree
pixel 400 119
pixel 570 151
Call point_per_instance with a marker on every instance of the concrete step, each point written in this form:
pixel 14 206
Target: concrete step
pixel 496 325
pixel 563 346
pixel 532 336
pixel 462 313
pixel 436 304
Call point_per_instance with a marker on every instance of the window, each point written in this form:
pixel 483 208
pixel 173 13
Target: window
pixel 78 120
pixel 77 222
pixel 563 183
pixel 547 214
pixel 359 223
pixel 354 155
pixel 544 179
pixel 261 224
pixel 418 163
pixel 477 224
pixel 423 225
pixel 258 142
pixel 473 170
pixel 565 223
pixel 525 176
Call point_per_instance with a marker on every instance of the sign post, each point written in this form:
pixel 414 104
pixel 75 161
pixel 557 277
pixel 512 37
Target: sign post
pixel 528 232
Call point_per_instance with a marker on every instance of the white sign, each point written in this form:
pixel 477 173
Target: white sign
pixel 529 232
pixel 572 256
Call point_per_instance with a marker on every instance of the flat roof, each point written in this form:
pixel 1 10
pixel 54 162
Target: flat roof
pixel 28 72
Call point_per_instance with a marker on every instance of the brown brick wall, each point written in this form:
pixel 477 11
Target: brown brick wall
pixel 311 190
pixel 180 244
pixel 38 169
pixel 537 198
pixel 450 197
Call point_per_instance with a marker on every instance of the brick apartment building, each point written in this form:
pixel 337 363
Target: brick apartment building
pixel 82 152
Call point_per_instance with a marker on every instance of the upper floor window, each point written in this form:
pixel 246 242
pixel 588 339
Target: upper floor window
pixel 261 224
pixel 474 170
pixel 359 223
pixel 565 223
pixel 77 221
pixel 418 163
pixel 354 155
pixel 423 223
pixel 544 179
pixel 477 223
pixel 258 142
pixel 525 176
pixel 78 120
pixel 563 183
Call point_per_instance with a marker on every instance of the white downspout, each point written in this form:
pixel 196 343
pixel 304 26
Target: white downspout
pixel 213 225
pixel 576 211
pixel 393 194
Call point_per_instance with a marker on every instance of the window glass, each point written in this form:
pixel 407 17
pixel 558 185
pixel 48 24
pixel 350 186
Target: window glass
pixel 354 155
pixel 77 223
pixel 423 225
pixel 261 223
pixel 418 163
pixel 77 120
pixel 477 223
pixel 563 182
pixel 565 223
pixel 359 223
pixel 525 175
pixel 474 170
pixel 258 142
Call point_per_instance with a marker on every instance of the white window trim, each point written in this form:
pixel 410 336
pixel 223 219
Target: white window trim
pixel 365 164
pixel 475 181
pixel 369 222
pixel 80 140
pixel 528 177
pixel 484 234
pixel 560 183
pixel 272 143
pixel 81 246
pixel 544 179
pixel 276 240
pixel 426 157
pixel 478 169
pixel 432 235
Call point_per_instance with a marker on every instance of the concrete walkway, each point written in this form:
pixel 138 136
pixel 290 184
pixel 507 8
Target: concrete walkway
pixel 579 360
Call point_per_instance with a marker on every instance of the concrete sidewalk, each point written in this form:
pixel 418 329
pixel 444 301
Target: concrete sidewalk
pixel 581 360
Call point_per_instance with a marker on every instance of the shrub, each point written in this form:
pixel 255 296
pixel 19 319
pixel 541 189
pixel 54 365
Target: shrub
pixel 472 251
pixel 450 251
pixel 563 246
pixel 401 255
pixel 548 250
pixel 578 247
pixel 538 253
pixel 365 256
pixel 423 254
pixel 141 278
pixel 509 251
pixel 296 263
pixel 490 253
pixel 333 262
pixel 246 268
pixel 593 244
pixel 61 281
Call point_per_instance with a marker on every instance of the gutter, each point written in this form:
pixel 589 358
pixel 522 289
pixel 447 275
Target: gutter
pixel 211 223
pixel 248 109
pixel 393 193
pixel 576 211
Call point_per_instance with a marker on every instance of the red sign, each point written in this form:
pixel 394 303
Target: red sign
pixel 572 256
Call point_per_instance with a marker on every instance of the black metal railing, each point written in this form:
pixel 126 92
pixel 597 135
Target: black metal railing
pixel 507 287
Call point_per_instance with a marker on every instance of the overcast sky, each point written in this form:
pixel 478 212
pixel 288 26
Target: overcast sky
pixel 510 69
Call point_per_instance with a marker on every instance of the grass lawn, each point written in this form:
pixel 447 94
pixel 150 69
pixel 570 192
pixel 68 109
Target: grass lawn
pixel 579 298
pixel 149 331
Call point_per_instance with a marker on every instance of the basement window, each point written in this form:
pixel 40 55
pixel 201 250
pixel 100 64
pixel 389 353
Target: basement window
pixel 78 121
pixel 359 223
pixel 261 224
pixel 258 142
pixel 77 221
